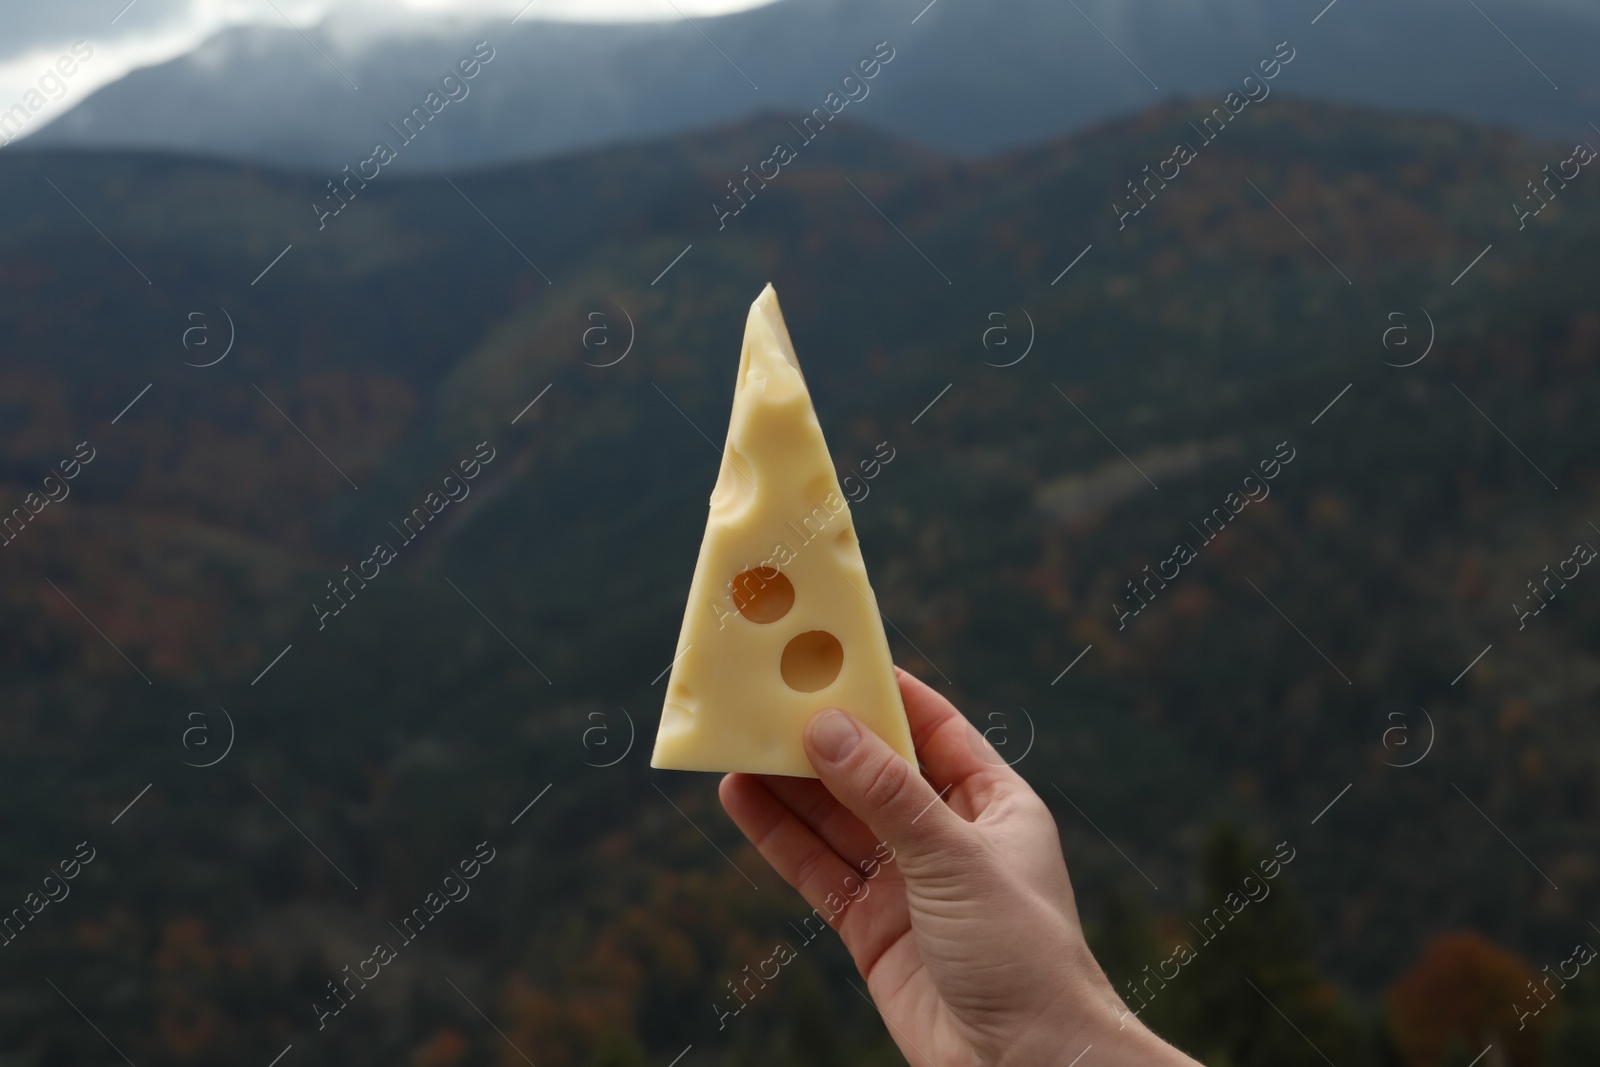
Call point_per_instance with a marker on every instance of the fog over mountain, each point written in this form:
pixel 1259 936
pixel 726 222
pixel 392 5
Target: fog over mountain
pixel 267 94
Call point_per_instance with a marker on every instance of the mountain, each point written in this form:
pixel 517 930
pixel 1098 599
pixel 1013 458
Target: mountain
pixel 275 761
pixel 968 79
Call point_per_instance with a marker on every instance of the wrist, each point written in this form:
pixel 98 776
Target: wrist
pixel 1088 1015
pixel 1124 1042
pixel 1082 1014
pixel 1129 1043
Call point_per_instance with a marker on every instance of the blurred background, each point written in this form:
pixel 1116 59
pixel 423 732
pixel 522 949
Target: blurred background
pixel 270 271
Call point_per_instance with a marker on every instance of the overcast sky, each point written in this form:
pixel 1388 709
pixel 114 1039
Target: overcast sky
pixel 35 33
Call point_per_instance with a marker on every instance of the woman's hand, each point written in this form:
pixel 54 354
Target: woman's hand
pixel 969 938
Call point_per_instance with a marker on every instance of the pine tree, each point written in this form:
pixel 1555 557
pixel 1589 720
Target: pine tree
pixel 811 1019
pixel 1249 995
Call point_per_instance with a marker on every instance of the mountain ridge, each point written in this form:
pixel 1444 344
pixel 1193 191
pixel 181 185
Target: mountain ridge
pixel 973 84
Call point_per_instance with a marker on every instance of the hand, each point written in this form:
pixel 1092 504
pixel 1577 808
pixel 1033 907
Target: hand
pixel 969 940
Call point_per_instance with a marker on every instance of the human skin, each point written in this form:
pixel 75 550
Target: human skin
pixel 969 940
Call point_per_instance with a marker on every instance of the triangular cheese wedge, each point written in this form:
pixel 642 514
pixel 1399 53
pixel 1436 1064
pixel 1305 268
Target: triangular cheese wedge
pixel 781 619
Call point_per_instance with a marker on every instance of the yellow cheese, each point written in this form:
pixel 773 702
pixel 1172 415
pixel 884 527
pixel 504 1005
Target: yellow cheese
pixel 781 619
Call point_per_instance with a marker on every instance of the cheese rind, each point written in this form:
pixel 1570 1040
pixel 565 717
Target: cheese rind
pixel 781 619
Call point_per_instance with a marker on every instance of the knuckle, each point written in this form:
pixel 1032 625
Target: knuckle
pixel 807 867
pixel 764 838
pixel 815 813
pixel 887 783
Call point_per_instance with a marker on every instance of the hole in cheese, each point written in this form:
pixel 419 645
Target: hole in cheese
pixel 811 661
pixel 762 594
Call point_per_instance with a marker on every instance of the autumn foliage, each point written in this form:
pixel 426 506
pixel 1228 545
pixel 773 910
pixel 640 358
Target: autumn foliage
pixel 1461 995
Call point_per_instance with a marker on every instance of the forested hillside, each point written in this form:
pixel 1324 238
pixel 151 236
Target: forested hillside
pixel 1356 389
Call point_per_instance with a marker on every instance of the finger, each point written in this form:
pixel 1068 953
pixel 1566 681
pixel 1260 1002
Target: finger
pixel 830 820
pixel 885 792
pixel 926 710
pixel 951 749
pixel 803 860
pixel 798 855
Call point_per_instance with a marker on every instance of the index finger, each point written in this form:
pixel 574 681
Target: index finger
pixel 949 747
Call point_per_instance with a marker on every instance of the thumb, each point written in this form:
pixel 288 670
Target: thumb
pixel 884 791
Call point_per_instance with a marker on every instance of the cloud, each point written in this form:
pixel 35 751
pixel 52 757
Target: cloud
pixel 126 37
